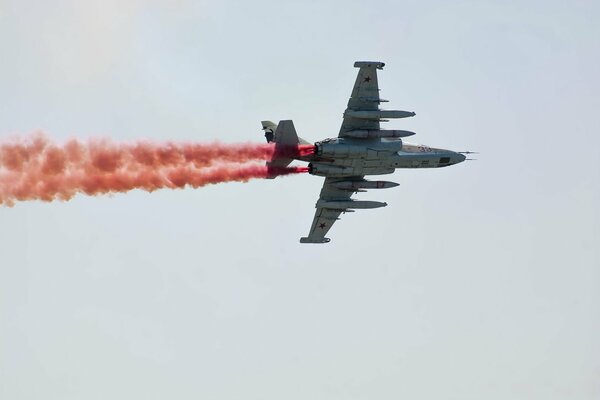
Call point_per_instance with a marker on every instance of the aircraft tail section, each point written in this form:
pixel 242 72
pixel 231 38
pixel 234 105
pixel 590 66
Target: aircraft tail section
pixel 282 134
pixel 285 134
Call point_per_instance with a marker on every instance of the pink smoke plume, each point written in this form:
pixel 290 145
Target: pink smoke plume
pixel 36 168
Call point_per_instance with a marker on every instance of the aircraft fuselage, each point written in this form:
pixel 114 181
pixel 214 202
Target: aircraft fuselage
pixel 339 157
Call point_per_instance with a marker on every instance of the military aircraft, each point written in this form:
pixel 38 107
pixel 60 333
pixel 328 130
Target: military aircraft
pixel 360 149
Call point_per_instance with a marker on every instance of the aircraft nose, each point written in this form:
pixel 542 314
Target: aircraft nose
pixel 458 158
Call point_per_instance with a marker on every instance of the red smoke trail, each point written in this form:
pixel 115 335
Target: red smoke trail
pixel 38 169
pixel 288 151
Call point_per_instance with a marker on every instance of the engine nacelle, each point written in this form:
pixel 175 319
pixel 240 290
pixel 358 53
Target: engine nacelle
pixel 329 150
pixel 329 170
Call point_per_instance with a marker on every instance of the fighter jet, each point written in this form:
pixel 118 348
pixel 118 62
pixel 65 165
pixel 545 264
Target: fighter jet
pixel 362 148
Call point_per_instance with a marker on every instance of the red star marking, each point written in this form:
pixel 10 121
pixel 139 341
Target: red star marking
pixel 368 79
pixel 322 226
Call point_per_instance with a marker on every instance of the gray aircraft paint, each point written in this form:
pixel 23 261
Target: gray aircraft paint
pixel 361 149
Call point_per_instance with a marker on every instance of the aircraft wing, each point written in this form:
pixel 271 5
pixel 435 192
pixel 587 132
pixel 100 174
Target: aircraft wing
pixel 325 217
pixel 364 97
pixel 358 116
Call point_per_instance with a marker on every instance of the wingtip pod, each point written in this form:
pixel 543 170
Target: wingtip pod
pixel 314 241
pixel 376 64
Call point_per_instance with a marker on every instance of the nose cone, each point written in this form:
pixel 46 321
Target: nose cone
pixel 458 158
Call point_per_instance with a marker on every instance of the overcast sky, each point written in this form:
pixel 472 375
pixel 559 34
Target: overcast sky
pixel 479 281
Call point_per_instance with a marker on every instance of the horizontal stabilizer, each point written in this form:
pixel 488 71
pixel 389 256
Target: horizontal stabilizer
pixel 275 165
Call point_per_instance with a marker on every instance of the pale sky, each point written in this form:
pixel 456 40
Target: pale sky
pixel 479 281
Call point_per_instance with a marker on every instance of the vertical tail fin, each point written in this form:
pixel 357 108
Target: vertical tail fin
pixel 282 134
pixel 285 134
